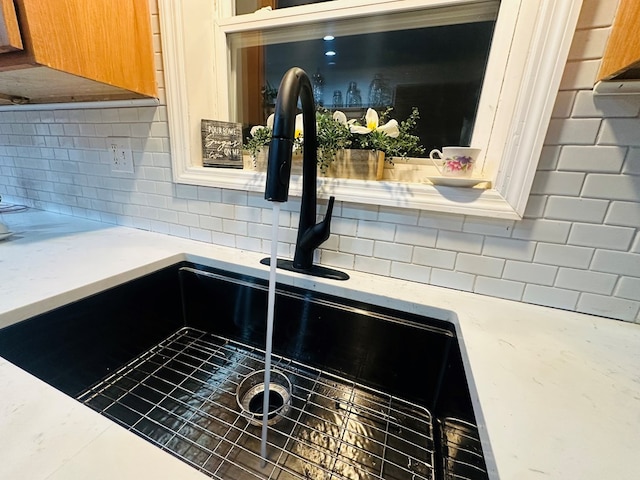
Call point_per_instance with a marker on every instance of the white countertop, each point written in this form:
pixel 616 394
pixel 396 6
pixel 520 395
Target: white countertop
pixel 557 394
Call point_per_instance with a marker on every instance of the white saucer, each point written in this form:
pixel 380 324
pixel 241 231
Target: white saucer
pixel 456 181
pixel 4 236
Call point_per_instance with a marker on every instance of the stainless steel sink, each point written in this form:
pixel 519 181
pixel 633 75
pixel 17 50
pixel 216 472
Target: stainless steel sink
pixel 375 393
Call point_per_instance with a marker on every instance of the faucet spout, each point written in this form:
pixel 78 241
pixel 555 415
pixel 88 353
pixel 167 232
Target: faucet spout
pixel 296 84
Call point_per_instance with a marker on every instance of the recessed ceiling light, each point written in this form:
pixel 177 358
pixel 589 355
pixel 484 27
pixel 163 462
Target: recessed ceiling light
pixel 328 38
pixel 330 53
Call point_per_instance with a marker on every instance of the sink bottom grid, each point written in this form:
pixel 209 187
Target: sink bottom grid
pixel 181 396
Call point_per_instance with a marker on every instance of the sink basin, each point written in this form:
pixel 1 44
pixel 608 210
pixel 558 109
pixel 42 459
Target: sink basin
pixel 375 392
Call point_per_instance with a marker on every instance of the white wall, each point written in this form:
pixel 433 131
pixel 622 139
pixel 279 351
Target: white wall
pixel 578 247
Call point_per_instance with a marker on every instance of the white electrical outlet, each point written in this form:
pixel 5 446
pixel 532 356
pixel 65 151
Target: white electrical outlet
pixel 121 156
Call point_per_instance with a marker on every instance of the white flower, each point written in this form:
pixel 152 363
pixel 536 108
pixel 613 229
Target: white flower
pixel 390 128
pixel 340 117
pixel 299 127
pixel 255 128
pixel 298 133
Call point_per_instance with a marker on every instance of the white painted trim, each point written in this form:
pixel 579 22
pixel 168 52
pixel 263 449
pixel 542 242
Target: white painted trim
pixel 170 14
pixel 138 102
pixel 543 71
pixel 617 87
pixel 535 56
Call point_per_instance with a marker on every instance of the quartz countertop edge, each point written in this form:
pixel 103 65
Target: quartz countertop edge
pixel 556 393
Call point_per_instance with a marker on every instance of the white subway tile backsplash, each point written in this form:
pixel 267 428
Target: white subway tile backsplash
pixel 257 230
pixel 590 105
pixel 360 212
pixel 392 251
pixel 611 306
pixel 200 234
pixel 628 287
pixel 188 219
pixel 440 221
pixel 223 210
pixel 577 131
pixel 199 207
pixel 332 243
pixel 576 209
pixel 206 194
pixel 479 265
pixel 460 242
pixel 620 131
pixel 541 230
pixel 623 213
pixel 433 257
pixel 455 280
pixel 344 226
pixel 337 259
pixel 564 104
pixel 488 226
pixel 234 197
pixel 557 183
pixel 535 206
pixel 563 255
pixel 605 236
pixel 612 187
pixel 373 265
pixel 413 273
pixel 248 243
pixel 580 74
pixel 589 44
pixel 550 296
pixel 356 246
pixel 499 287
pixel 248 214
pixel 586 281
pixel 597 159
pixel 508 248
pixel 597 13
pixel 621 263
pixel 400 216
pixel 376 230
pixel 409 235
pixel 632 163
pixel 549 157
pixel 224 239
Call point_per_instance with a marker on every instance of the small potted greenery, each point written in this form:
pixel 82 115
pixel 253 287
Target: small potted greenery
pixel 378 136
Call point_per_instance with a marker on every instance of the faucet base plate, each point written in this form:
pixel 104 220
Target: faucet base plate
pixel 315 270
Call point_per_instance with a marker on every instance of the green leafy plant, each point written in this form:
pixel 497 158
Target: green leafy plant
pixel 400 143
pixel 335 133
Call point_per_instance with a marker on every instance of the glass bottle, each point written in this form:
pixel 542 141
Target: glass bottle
pixel 357 99
pixel 375 91
pixel 317 83
pixel 353 98
pixel 337 99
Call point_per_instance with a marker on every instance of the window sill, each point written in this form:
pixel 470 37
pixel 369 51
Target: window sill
pixel 466 201
pixel 531 47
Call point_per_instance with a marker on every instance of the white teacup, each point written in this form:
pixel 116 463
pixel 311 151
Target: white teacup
pixel 456 161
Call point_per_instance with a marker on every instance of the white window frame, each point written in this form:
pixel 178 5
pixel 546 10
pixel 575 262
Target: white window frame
pixel 528 54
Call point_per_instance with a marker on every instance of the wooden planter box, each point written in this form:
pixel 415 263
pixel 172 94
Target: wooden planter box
pixel 354 164
pixel 357 164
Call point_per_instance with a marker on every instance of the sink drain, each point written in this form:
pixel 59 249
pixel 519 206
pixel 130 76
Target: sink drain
pixel 250 397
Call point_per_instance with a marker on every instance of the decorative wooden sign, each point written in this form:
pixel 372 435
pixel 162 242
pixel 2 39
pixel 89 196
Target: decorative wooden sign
pixel 221 144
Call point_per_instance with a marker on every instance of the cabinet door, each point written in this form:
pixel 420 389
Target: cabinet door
pixel 10 39
pixel 623 49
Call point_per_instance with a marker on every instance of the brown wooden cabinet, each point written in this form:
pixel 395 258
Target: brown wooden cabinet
pixel 10 39
pixel 621 60
pixel 79 50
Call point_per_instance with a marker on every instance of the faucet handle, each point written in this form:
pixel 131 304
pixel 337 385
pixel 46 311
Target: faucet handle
pixel 327 216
